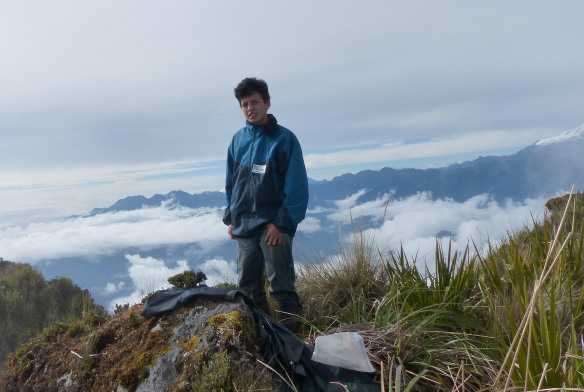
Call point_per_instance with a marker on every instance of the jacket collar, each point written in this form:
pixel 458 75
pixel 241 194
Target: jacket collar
pixel 270 128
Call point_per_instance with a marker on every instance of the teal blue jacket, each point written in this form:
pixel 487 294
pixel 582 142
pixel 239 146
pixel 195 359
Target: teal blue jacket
pixel 266 180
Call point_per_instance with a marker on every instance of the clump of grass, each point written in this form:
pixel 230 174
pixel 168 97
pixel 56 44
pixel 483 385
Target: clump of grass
pixel 440 339
pixel 342 289
pixel 535 284
pixel 419 322
pixel 511 319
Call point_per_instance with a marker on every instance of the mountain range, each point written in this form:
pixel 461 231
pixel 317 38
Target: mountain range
pixel 539 170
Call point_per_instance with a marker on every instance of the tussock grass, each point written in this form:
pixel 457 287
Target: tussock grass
pixel 342 289
pixel 508 320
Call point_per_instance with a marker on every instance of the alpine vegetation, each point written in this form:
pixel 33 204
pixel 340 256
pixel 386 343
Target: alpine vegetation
pixel 505 318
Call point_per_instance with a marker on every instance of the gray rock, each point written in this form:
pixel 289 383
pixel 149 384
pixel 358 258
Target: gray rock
pixel 169 367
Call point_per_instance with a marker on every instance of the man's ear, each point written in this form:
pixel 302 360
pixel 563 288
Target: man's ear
pixel 268 103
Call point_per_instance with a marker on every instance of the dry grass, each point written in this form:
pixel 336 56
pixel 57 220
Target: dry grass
pixel 342 289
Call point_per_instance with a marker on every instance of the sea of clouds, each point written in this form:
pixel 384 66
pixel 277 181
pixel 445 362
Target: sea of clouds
pixel 413 223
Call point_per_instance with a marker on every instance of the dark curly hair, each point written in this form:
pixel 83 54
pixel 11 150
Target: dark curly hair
pixel 249 86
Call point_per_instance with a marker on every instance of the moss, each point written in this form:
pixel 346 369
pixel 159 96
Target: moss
pixel 94 318
pixel 217 360
pixel 134 320
pixel 215 375
pixel 26 358
pixel 222 371
pixel 225 284
pixel 228 325
pixel 52 334
pixel 118 354
pixel 75 329
pixel 190 344
pixel 88 367
pixel 131 374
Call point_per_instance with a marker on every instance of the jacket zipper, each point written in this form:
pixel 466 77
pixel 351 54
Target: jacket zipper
pixel 251 153
pixel 250 182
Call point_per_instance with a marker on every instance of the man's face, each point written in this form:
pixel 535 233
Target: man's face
pixel 255 109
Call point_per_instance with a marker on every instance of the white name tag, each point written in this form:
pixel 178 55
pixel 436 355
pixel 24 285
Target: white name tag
pixel 260 169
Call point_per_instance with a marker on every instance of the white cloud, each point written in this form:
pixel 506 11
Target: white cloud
pixel 309 225
pixel 349 201
pixel 148 275
pixel 348 210
pixel 105 234
pixel 112 288
pixel 470 142
pixel 376 209
pixel 415 222
pixel 75 191
pixel 219 271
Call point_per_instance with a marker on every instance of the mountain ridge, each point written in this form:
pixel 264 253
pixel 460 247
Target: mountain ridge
pixel 541 169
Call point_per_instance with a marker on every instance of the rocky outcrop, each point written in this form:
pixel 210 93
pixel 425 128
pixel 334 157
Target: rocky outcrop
pixel 208 345
pixel 557 203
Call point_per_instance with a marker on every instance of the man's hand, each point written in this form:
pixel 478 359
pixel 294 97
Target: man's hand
pixel 230 231
pixel 274 236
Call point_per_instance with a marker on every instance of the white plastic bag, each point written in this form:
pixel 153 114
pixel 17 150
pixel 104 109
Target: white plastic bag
pixel 343 349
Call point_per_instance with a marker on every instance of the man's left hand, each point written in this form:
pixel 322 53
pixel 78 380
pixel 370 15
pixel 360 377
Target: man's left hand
pixel 274 236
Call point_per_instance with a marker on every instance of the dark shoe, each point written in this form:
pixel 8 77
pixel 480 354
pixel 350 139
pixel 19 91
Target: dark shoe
pixel 290 317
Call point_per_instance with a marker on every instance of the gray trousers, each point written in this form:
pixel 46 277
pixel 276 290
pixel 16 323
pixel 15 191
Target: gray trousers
pixel 254 256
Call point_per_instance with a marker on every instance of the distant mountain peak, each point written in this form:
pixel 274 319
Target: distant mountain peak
pixel 576 133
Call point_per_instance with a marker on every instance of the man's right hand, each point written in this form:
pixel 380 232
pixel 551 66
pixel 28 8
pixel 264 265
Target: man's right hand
pixel 230 231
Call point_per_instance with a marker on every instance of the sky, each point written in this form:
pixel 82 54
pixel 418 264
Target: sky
pixel 101 100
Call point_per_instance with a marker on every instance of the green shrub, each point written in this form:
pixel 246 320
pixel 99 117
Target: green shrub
pixel 188 279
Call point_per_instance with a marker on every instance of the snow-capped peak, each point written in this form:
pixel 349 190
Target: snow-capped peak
pixel 576 133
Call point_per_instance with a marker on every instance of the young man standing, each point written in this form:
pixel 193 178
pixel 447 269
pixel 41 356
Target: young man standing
pixel 267 196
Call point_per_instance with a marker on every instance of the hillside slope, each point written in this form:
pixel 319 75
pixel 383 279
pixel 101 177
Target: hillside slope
pixel 210 342
pixel 28 304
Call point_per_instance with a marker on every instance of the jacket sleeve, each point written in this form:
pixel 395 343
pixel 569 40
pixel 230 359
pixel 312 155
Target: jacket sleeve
pixel 228 186
pixel 295 190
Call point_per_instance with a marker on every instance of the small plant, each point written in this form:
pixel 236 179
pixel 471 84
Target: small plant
pixel 225 284
pixel 121 308
pixel 216 375
pixel 54 333
pixel 134 320
pixel 75 329
pixel 188 279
